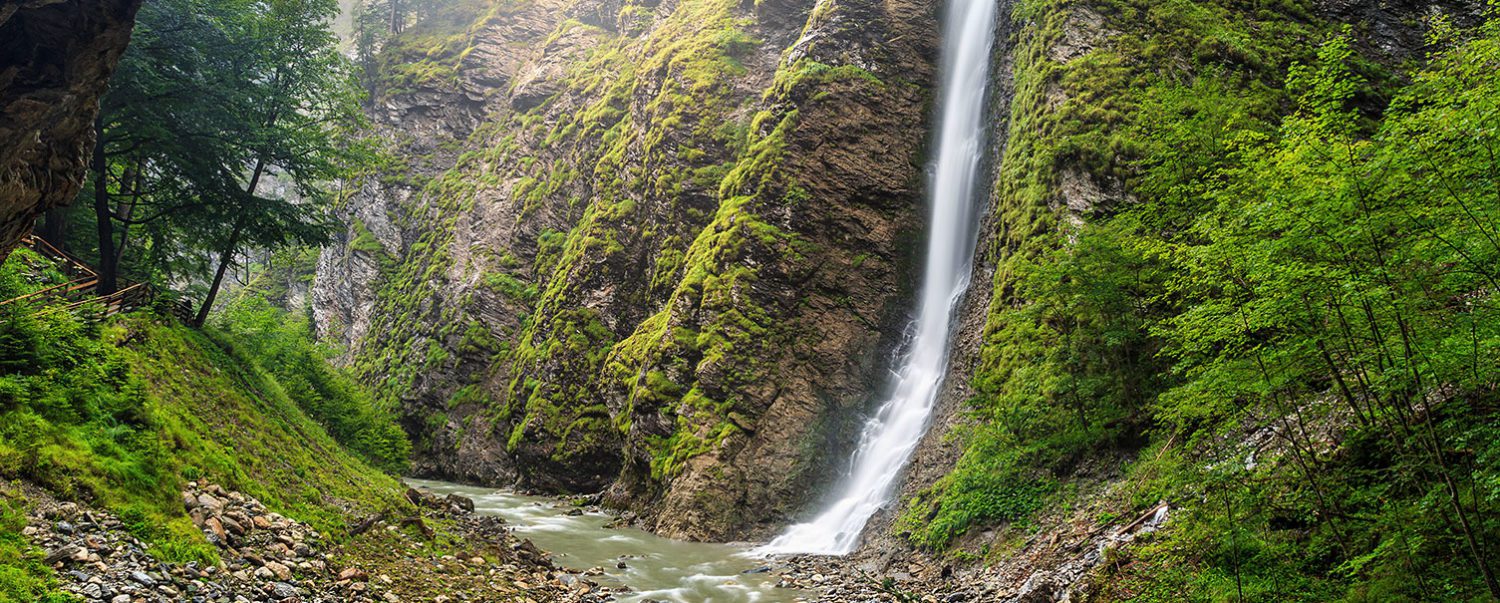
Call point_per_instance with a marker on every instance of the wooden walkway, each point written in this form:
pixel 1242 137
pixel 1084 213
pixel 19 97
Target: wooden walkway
pixel 78 292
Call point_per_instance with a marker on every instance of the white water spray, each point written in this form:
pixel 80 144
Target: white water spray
pixel 889 437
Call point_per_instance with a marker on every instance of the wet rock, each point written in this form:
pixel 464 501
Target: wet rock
pixel 462 502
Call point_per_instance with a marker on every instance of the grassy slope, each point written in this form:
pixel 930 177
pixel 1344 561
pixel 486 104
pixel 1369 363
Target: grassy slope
pixel 122 415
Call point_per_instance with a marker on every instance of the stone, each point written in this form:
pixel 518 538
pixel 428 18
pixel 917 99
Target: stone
pixel 462 502
pixel 143 578
pixel 232 526
pixel 214 525
pixel 352 573
pixel 282 591
pixel 207 501
pixel 282 572
pixel 61 553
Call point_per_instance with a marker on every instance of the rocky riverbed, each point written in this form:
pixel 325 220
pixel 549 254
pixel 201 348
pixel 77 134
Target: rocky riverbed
pixel 266 557
pixel 447 552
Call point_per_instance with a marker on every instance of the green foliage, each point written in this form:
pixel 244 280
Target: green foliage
pixel 212 102
pixel 121 414
pixel 282 344
pixel 1294 263
pixel 1361 269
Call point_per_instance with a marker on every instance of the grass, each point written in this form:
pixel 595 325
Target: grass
pixel 122 413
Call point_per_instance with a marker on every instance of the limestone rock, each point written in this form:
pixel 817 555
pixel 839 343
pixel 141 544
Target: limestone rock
pixel 55 62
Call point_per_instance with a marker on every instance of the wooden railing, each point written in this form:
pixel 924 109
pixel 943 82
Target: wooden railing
pixel 74 295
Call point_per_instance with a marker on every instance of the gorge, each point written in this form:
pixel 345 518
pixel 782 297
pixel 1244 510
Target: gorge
pixel 888 438
pixel 692 300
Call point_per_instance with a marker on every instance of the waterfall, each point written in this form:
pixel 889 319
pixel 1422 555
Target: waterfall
pixel 888 438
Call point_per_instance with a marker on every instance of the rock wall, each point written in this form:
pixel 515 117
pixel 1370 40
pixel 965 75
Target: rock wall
pixel 1056 167
pixel 659 250
pixel 56 57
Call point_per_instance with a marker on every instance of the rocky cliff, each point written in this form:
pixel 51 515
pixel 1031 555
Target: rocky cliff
pixel 665 251
pixel 1078 132
pixel 56 57
pixel 659 250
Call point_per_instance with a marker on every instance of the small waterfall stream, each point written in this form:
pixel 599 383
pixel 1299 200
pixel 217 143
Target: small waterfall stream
pixel 890 436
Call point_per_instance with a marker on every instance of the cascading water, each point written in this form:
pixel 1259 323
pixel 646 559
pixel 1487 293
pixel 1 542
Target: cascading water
pixel 890 436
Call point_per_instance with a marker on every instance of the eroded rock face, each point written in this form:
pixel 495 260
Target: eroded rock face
pixel 661 250
pixel 56 57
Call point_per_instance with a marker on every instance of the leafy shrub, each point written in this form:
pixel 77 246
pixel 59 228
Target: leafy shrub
pixel 282 344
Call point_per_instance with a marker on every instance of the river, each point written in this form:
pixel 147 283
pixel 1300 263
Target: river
pixel 656 568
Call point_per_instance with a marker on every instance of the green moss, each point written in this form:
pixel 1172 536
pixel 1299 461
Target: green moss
pixel 510 286
pixel 1099 114
pixel 431 52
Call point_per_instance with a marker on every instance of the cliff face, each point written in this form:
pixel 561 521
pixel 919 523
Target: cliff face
pixel 656 249
pixel 55 61
pixel 1075 125
pixel 665 250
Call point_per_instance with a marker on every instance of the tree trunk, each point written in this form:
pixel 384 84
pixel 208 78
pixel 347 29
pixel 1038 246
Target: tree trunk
pixel 55 227
pixel 226 255
pixel 108 267
pixel 126 209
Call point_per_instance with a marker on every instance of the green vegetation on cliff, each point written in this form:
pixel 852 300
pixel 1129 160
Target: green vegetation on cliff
pixel 646 148
pixel 1289 321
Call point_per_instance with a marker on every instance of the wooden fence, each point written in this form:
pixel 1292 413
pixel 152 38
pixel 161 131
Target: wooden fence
pixel 77 294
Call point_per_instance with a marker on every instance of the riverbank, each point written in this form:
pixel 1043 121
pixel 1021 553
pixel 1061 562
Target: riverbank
pixel 444 554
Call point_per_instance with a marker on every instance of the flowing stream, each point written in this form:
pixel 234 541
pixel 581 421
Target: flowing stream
pixel 656 568
pixel 889 437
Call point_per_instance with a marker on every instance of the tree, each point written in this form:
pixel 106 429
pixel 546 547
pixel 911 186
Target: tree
pixel 214 99
pixel 299 99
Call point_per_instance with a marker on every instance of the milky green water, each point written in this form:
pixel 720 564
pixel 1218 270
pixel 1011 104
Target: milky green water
pixel 656 568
